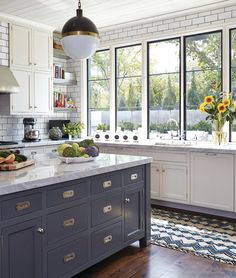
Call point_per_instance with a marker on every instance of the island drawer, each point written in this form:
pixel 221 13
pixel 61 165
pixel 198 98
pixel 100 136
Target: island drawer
pixel 134 175
pixel 106 182
pixel 105 209
pixel 105 240
pixel 67 193
pixel 68 257
pixel 21 205
pixel 67 222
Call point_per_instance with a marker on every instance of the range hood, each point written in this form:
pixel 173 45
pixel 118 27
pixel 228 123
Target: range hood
pixel 8 83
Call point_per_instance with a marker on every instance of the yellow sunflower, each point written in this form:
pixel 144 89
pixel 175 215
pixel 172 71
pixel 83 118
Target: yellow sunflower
pixel 202 107
pixel 208 99
pixel 221 108
pixel 226 102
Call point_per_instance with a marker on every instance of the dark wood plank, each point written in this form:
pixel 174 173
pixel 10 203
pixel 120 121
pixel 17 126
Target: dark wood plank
pixel 154 262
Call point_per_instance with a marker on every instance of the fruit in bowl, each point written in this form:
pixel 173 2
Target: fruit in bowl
pixel 80 149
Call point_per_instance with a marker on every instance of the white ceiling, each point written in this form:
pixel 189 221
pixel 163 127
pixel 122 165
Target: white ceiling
pixel 103 13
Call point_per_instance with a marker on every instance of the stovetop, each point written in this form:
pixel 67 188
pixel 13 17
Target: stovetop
pixel 3 143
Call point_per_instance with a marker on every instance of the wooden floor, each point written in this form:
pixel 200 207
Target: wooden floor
pixel 157 262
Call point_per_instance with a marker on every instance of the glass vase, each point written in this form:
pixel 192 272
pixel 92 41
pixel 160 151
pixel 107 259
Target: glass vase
pixel 219 136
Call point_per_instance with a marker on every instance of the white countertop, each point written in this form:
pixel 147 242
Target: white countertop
pixel 50 170
pixel 149 144
pixel 172 145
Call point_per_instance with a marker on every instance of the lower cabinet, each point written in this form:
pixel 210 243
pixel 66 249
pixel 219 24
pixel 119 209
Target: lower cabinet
pixel 212 180
pixel 60 230
pixel 22 250
pixel 174 183
pixel 133 213
pixel 155 180
pixel 169 181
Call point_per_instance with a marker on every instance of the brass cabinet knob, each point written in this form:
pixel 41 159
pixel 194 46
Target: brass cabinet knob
pixel 127 200
pixel 41 230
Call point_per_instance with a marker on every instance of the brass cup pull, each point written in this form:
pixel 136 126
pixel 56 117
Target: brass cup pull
pixel 107 209
pixel 68 194
pixel 69 257
pixel 107 184
pixel 107 239
pixel 163 170
pixel 134 176
pixel 22 205
pixel 69 222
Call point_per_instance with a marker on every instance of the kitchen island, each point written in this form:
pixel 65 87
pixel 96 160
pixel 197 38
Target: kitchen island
pixel 58 219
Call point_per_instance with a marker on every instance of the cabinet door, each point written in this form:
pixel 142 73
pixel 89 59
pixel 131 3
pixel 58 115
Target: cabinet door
pixel 174 183
pixel 22 250
pixel 20 46
pixel 42 50
pixel 155 181
pixel 133 222
pixel 212 182
pixel 22 102
pixel 42 92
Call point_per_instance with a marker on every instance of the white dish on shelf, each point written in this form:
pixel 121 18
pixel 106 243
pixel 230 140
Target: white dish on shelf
pixel 75 159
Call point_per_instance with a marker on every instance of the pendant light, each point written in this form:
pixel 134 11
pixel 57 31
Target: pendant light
pixel 80 36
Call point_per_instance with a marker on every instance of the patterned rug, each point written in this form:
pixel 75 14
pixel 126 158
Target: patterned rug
pixel 202 236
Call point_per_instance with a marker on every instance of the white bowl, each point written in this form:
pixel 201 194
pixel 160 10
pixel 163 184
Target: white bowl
pixel 76 159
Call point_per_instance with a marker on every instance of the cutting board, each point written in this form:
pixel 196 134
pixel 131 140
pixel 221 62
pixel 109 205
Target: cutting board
pixel 12 167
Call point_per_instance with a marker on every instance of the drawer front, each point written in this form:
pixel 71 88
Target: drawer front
pixel 106 239
pixel 66 194
pixel 106 209
pixel 22 205
pixel 134 175
pixel 67 222
pixel 170 156
pixel 106 183
pixel 68 257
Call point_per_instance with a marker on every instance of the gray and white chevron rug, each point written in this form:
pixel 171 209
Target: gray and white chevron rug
pixel 202 236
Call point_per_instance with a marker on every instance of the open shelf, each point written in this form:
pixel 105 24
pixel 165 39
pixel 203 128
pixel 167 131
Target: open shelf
pixel 61 81
pixel 59 53
pixel 64 109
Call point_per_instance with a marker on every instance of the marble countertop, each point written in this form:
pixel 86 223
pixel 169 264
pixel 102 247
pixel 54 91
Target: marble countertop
pixel 44 142
pixel 173 145
pixel 148 144
pixel 48 170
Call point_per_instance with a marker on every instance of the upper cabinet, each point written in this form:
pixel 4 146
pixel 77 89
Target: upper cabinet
pixel 31 57
pixel 31 48
pixel 20 46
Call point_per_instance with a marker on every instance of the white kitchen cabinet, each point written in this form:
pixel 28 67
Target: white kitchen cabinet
pixel 30 48
pixel 20 46
pixel 155 180
pixel 42 89
pixel 174 185
pixel 21 102
pixel 212 180
pixel 31 60
pixel 35 93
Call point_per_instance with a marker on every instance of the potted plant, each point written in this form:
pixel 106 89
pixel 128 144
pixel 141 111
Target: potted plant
pixel 73 129
pixel 103 127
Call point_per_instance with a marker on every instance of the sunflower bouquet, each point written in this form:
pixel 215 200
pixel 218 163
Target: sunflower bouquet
pixel 220 110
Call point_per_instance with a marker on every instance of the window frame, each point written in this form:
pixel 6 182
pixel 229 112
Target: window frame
pixel 184 73
pixel 116 78
pixel 87 86
pixel 148 80
pixel 230 72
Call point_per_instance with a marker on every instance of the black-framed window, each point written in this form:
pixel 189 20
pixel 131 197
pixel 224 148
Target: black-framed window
pixel 203 76
pixel 98 78
pixel 128 67
pixel 232 85
pixel 164 87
